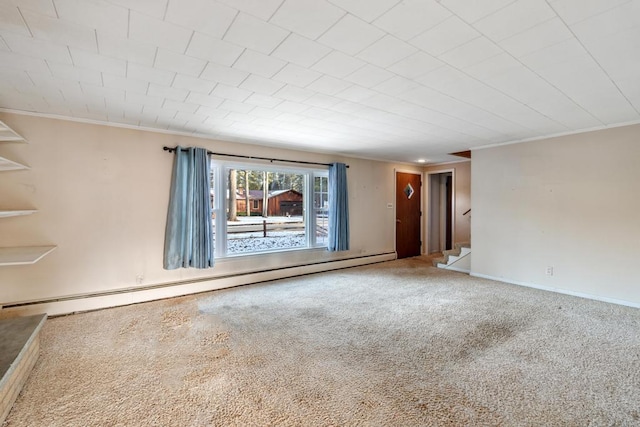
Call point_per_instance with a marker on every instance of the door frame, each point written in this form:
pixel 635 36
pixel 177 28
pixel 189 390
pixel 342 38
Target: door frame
pixel 395 207
pixel 426 187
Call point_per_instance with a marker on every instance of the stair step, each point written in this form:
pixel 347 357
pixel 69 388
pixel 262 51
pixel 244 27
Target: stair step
pixel 19 350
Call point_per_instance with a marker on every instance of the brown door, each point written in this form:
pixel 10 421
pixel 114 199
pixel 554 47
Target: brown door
pixel 408 190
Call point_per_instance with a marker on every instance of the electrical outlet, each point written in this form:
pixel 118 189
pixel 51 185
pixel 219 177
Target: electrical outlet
pixel 549 271
pixel 139 279
pixel 389 205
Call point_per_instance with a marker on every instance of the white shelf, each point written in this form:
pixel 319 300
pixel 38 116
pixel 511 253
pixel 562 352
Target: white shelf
pixel 8 135
pixel 23 255
pixel 8 213
pixel 9 165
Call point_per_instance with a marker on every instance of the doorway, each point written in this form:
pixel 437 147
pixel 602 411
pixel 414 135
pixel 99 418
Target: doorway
pixel 408 213
pixel 440 229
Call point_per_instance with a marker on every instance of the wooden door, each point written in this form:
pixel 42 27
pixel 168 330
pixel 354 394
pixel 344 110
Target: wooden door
pixel 408 190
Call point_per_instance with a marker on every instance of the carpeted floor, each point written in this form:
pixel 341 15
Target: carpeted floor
pixel 393 344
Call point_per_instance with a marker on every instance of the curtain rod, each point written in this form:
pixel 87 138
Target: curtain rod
pixel 211 153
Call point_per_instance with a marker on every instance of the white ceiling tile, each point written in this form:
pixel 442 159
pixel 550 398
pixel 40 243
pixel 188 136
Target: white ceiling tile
pixel 631 89
pixel 290 107
pixel 309 18
pixel 322 101
pixel 347 107
pixel 14 61
pixel 193 84
pixel 574 11
pixel 445 36
pixel 291 118
pixel 566 51
pixel 193 118
pixel 146 100
pixel 494 66
pixel 265 113
pixel 300 50
pixel 416 65
pixel 205 16
pixel 204 100
pixel 258 63
pixel 237 107
pixel 369 76
pixel 387 51
pixel 328 85
pixel 471 11
pixel 367 10
pixel 69 72
pixel 538 37
pixel 124 83
pixel 164 34
pixel 153 8
pixel 351 35
pixel 356 93
pixel 262 9
pixel 126 49
pixel 212 112
pixel 110 19
pixel 167 92
pixel 266 102
pixel 514 18
pixel 60 31
pixel 338 64
pixel 396 85
pixel 230 92
pixel 171 61
pixel 11 20
pixel 296 75
pixel 153 75
pixel 410 18
pixel 255 34
pixel 221 74
pixel 44 7
pixel 213 49
pixel 30 46
pixel 180 106
pixel 615 20
pixel 94 91
pixel 93 61
pixel 240 117
pixel 477 50
pixel 294 93
pixel 617 53
pixel 259 84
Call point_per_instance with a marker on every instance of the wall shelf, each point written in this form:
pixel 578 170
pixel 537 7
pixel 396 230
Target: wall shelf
pixel 8 135
pixel 9 165
pixel 15 212
pixel 23 255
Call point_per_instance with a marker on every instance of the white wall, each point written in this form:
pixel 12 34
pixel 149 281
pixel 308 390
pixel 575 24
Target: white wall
pixel 102 194
pixel 462 198
pixel 572 203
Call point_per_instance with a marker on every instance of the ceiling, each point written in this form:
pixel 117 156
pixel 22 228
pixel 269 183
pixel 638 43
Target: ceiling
pixel 384 79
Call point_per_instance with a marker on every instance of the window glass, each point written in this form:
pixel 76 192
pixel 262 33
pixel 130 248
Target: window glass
pixel 268 209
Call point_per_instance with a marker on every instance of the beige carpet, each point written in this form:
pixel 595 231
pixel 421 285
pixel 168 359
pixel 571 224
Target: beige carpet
pixel 395 344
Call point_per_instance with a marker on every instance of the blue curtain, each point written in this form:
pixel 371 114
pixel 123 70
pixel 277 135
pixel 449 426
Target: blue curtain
pixel 188 240
pixel 338 208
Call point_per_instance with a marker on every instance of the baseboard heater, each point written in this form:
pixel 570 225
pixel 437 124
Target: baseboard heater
pixel 131 295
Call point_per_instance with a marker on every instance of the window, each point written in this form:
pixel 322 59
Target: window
pixel 266 209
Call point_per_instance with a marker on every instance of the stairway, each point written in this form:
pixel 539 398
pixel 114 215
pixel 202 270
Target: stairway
pixel 458 259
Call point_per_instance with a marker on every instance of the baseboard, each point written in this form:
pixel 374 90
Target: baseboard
pixel 559 290
pixel 450 268
pixel 80 303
